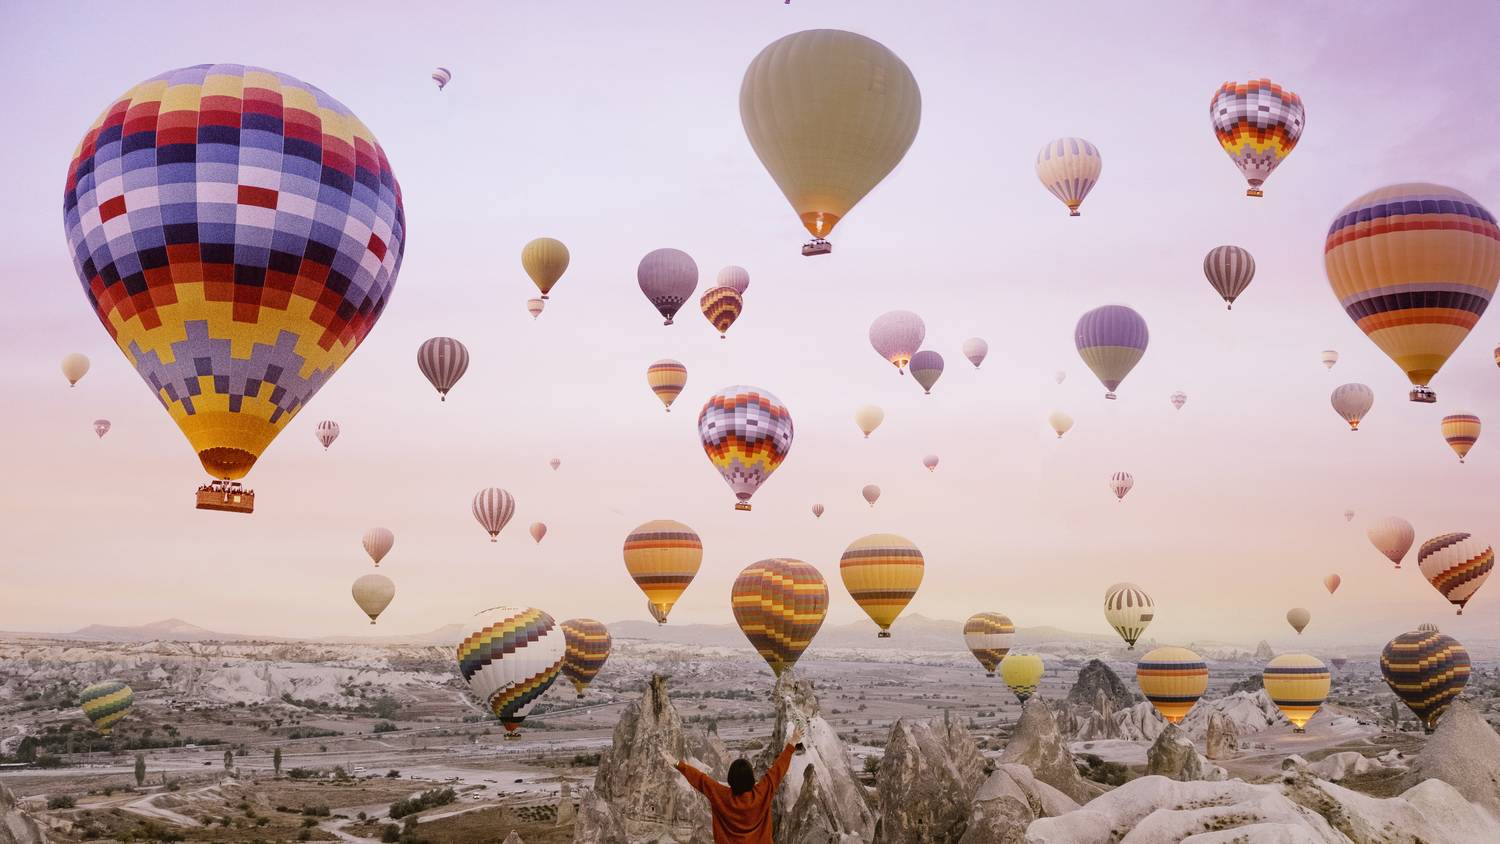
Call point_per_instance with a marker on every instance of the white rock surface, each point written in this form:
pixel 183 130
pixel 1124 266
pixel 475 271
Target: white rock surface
pixel 821 800
pixel 1464 751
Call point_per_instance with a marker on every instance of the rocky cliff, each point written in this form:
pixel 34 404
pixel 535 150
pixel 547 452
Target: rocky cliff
pixel 821 800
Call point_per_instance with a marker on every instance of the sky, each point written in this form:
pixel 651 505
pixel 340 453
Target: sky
pixel 615 128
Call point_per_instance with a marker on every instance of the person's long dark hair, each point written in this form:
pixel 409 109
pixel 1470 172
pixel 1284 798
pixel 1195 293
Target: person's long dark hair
pixel 741 777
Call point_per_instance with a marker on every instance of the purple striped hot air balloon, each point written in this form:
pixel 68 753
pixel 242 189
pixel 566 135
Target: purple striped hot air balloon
pixel 1111 341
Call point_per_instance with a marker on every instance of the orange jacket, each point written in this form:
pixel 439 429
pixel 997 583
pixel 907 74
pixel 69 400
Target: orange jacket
pixel 745 819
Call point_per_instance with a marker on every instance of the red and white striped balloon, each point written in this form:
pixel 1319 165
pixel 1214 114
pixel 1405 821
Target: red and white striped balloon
pixel 493 508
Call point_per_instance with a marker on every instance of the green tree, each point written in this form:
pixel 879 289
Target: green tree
pixel 228 761
pixel 140 770
pixel 276 760
pixel 385 707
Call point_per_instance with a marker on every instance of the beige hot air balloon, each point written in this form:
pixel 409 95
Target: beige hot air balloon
pixel 868 418
pixel 1393 537
pixel 871 492
pixel 1128 609
pixel 830 114
pixel 1298 618
pixel 378 542
pixel 373 593
pixel 545 260
pixel 74 367
pixel 1060 422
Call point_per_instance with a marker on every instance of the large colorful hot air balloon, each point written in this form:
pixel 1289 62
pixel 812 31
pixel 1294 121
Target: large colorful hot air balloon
pixel 1229 269
pixel 538 531
pixel 1427 670
pixel 931 462
pixel 882 572
pixel 1414 265
pixel 734 277
pixel 545 260
pixel 989 636
pixel 493 508
pixel 1392 536
pixel 779 605
pixel 746 433
pixel 1178 399
pixel 101 427
pixel 1258 123
pixel 587 644
pixel 1172 679
pixel 535 307
pixel 871 493
pixel 1456 564
pixel 721 307
pixel 1022 673
pixel 1461 430
pixel 1111 341
pixel 105 703
pixel 976 350
pixel 238 233
pixel 1069 168
pixel 442 76
pixel 1298 617
pixel 1060 422
pixel 326 432
pixel 443 360
pixel 1352 401
pixel 511 660
pixel 926 369
pixel 1298 684
pixel 868 418
pixel 668 278
pixel 896 336
pixel 1330 357
pixel 1128 609
pixel 373 593
pixel 817 511
pixel 1121 483
pixel 830 114
pixel 74 367
pixel 666 378
pixel 378 542
pixel 662 557
pixel 1331 583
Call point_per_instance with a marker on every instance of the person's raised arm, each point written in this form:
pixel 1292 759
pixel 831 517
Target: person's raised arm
pixel 783 761
pixel 696 778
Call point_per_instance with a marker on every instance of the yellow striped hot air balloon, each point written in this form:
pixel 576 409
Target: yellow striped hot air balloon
pixel 587 643
pixel 545 260
pixel 1022 673
pixel 779 605
pixel 105 703
pixel 1298 685
pixel 666 378
pixel 1461 430
pixel 662 557
pixel 882 572
pixel 721 306
pixel 1172 679
pixel 988 636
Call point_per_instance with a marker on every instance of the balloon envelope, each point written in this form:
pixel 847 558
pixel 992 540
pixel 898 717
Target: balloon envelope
pixel 976 349
pixel 1427 670
pixel 1352 401
pixel 721 306
pixel 1461 431
pixel 587 645
pixel 746 433
pixel 1392 536
pixel 1022 673
pixel 1298 618
pixel 101 427
pixel 931 462
pixel 1121 483
pixel 662 557
pixel 926 369
pixel 538 530
pixel 545 260
pixel 74 367
pixel 1111 341
pixel 373 593
pixel 326 432
pixel 1060 422
pixel 1128 609
pixel 442 76
pixel 1330 357
pixel 882 572
pixel 871 493
pixel 1069 168
pixel 1331 583
pixel 1172 679
pixel 535 307
pixel 378 542
pixel 779 605
pixel 510 660
pixel 666 378
pixel 868 418
pixel 1257 123
pixel 817 511
pixel 1298 684
pixel 896 336
pixel 989 636
pixel 737 278
pixel 105 703
pixel 1178 399
pixel 668 278
pixel 493 508
pixel 443 360
pixel 1456 564
pixel 1229 269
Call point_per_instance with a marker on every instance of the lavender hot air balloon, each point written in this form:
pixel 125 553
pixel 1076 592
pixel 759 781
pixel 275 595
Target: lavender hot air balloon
pixel 668 278
pixel 734 277
pixel 926 369
pixel 101 427
pixel 1111 341
pixel 896 337
pixel 976 349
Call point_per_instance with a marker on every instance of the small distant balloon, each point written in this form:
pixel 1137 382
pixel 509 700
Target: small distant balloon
pixel 976 349
pixel 1456 564
pixel 896 336
pixel 538 530
pixel 735 277
pixel 871 493
pixel 1060 422
pixel 443 360
pixel 989 636
pixel 1229 269
pixel 1461 431
pixel 1330 357
pixel 326 432
pixel 931 462
pixel 493 508
pixel 667 277
pixel 74 367
pixel 721 306
pixel 101 427
pixel 1069 168
pixel 666 378
pixel 1348 515
pixel 1179 399
pixel 105 703
pixel 378 542
pixel 1298 618
pixel 1331 583
pixel 1352 401
pixel 926 369
pixel 1393 537
pixel 588 645
pixel 1059 376
pixel 442 76
pixel 1121 483
pixel 1022 673
pixel 1128 609
pixel 535 307
pixel 373 593
pixel 817 511
pixel 868 418
pixel 554 463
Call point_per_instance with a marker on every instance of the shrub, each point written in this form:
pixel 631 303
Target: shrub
pixel 391 834
pixel 61 801
pixel 315 811
pixel 426 800
pixel 393 774
pixel 384 727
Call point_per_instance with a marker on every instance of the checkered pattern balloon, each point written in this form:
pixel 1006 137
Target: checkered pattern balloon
pixel 238 232
pixel 746 433
pixel 1258 123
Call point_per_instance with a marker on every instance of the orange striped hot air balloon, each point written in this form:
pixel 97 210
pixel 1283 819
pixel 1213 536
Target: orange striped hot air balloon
pixel 988 636
pixel 666 377
pixel 1298 685
pixel 779 604
pixel 882 572
pixel 1456 564
pixel 1427 670
pixel 721 307
pixel 1172 679
pixel 1461 430
pixel 662 557
pixel 587 645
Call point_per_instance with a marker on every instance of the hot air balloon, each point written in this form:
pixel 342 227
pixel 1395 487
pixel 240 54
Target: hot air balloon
pixel 656 612
pixel 1427 627
pixel 105 703
pixel 378 542
pixel 1414 265
pixel 871 493
pixel 1128 609
pixel 1172 679
pixel 1392 536
pixel 1059 376
pixel 988 636
pixel 1298 618
pixel 442 76
pixel 587 644
pixel 817 511
pixel 535 307
pixel 326 432
pixel 1330 357
pixel 896 336
pixel 926 369
pixel 1427 670
pixel 1229 269
pixel 1338 662
pixel 1331 583
pixel 662 557
pixel 1461 430
pixel 1022 673
pixel 666 378
pixel 779 605
pixel 1121 483
pixel 74 367
pixel 1352 401
pixel 373 593
pixel 868 418
pixel 882 572
pixel 101 427
pixel 493 508
pixel 1178 399
pixel 746 433
pixel 1069 168
pixel 236 266
pixel 976 349
pixel 554 463
pixel 511 660
pixel 1111 340
pixel 443 360
pixel 1348 515
pixel 1258 123
pixel 931 462
pixel 830 114
pixel 737 278
pixel 721 307
pixel 545 260
pixel 1456 564
pixel 668 278
pixel 1298 685
pixel 538 530
pixel 1060 422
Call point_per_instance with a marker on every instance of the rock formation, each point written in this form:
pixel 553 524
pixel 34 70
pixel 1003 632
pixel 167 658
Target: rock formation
pixel 1464 752
pixel 1173 756
pixel 1096 677
pixel 928 778
pixel 16 826
pixel 565 807
pixel 1038 745
pixel 1338 766
pixel 1263 651
pixel 513 838
pixel 1250 712
pixel 1006 804
pixel 1222 737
